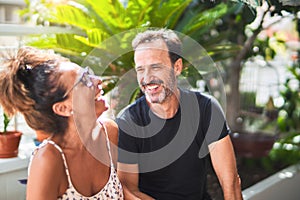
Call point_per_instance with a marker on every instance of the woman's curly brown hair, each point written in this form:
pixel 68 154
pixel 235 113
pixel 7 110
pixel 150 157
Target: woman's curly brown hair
pixel 29 85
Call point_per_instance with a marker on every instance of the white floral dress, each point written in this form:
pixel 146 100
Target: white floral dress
pixel 111 191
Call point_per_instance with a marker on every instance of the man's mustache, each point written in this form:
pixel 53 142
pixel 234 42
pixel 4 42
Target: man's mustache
pixel 152 82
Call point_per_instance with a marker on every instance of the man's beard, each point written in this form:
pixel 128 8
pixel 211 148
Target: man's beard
pixel 167 89
pixel 161 98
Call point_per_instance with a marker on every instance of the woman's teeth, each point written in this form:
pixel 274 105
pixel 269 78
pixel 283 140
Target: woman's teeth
pixel 99 97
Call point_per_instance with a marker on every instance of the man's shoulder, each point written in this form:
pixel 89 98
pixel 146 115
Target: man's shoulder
pixel 202 97
pixel 133 108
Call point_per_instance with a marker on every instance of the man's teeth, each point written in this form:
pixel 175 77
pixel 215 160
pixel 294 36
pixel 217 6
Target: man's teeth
pixel 151 87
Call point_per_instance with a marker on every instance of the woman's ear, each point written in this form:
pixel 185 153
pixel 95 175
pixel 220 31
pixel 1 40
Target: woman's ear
pixel 62 109
pixel 178 66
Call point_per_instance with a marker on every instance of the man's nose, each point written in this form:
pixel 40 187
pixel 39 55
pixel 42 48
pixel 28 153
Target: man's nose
pixel 148 75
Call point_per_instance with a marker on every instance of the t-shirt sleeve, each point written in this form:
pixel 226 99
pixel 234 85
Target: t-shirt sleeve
pixel 216 126
pixel 127 145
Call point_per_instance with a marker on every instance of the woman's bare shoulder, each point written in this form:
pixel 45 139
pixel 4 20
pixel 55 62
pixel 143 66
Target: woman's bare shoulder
pixel 46 172
pixel 112 129
pixel 47 158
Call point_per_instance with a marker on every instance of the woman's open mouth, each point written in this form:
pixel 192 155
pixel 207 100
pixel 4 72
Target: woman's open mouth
pixel 99 96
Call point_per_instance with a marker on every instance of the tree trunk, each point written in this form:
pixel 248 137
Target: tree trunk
pixel 233 103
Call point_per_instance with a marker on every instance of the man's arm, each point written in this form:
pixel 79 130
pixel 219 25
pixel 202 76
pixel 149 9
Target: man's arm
pixel 224 163
pixel 129 177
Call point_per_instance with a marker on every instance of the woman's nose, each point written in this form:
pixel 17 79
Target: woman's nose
pixel 96 81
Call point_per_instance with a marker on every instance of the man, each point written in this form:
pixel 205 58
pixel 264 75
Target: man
pixel 165 135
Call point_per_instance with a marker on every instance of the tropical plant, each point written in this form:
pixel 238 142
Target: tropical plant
pixel 93 22
pixel 6 121
pixel 100 30
pixel 287 148
pixel 289 117
pixel 9 140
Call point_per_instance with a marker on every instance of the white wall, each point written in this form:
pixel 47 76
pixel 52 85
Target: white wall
pixel 282 185
pixel 14 169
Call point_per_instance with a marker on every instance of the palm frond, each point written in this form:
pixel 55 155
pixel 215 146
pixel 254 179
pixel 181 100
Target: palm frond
pixel 204 20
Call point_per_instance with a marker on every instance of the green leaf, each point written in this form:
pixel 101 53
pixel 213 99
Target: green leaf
pixel 96 36
pixel 137 12
pixel 176 14
pixel 109 14
pixel 6 121
pixel 164 12
pixel 134 95
pixel 204 20
pixel 70 15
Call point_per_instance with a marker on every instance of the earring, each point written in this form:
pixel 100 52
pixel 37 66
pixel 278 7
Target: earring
pixel 71 113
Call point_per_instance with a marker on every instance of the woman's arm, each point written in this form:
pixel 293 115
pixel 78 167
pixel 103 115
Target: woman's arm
pixel 129 176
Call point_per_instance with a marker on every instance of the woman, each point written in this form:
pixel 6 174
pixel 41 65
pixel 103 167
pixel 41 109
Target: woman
pixel 63 100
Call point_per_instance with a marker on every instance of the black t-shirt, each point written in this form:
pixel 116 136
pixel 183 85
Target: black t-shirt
pixel 172 153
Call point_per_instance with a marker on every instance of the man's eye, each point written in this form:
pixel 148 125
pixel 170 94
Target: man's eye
pixel 139 69
pixel 156 67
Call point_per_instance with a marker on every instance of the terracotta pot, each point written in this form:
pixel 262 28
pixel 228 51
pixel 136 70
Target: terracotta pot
pixel 9 144
pixel 252 145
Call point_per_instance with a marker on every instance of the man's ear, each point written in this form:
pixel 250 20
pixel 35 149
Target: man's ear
pixel 178 66
pixel 62 109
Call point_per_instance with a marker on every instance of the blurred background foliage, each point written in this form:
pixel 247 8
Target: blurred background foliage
pixel 96 21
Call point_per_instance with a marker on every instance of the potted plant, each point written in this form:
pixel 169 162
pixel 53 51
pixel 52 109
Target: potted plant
pixel 9 140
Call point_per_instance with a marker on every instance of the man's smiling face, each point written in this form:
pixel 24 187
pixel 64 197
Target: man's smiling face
pixel 155 73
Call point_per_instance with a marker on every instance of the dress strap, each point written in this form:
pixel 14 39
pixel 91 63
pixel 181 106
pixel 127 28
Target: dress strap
pixel 48 141
pixel 108 145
